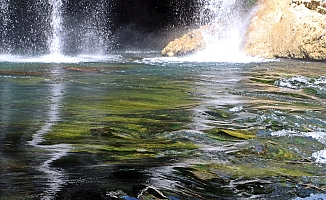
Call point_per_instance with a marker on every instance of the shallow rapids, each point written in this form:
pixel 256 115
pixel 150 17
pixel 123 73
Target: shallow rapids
pixel 135 125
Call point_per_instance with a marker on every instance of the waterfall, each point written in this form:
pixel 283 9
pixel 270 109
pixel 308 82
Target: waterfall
pixel 4 20
pixel 88 28
pixel 226 22
pixel 56 25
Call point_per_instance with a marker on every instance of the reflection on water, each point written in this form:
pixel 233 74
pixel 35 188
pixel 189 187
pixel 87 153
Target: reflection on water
pixel 55 177
pixel 5 96
pixel 53 115
pixel 140 127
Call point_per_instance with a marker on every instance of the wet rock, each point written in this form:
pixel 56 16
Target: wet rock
pixel 21 73
pixel 78 69
pixel 107 132
pixel 187 44
pixel 252 185
pixel 151 193
pixel 116 194
pixel 288 29
pixel 259 149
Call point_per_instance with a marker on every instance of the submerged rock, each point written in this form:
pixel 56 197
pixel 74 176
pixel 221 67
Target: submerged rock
pixel 288 29
pixel 187 44
pixel 151 193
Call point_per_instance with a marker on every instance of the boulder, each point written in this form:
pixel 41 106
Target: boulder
pixel 187 44
pixel 288 29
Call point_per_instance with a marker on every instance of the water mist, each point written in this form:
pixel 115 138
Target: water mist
pixel 54 27
pixel 226 22
pixel 4 20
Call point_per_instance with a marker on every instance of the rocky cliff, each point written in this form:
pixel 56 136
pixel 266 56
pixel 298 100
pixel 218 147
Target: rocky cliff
pixel 288 29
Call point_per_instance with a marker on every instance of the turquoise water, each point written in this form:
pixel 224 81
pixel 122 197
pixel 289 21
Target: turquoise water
pixel 133 124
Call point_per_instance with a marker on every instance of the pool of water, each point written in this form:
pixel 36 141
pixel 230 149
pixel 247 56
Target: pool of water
pixel 134 125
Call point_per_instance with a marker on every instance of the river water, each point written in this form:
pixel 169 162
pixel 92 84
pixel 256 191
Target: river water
pixel 135 125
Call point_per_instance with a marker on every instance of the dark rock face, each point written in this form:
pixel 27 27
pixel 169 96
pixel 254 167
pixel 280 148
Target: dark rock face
pixel 127 23
pixel 147 23
pixel 150 15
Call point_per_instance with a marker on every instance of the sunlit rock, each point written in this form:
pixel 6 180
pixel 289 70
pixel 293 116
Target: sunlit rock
pixel 288 29
pixel 187 44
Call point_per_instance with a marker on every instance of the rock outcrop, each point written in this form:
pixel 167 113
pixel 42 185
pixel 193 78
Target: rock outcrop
pixel 187 44
pixel 288 29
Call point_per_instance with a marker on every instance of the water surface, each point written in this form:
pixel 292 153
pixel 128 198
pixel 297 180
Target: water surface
pixel 132 124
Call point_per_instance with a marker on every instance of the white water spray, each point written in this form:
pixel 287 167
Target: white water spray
pixel 226 24
pixel 56 25
pixel 94 30
pixel 4 20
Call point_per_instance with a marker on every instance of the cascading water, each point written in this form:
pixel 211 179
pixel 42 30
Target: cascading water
pixel 226 22
pixel 55 41
pixel 4 19
pixel 54 27
pixel 81 28
pixel 93 31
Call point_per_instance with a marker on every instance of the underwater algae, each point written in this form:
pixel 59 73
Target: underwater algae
pixel 129 122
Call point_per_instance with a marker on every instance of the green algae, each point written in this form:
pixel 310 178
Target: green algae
pixel 264 81
pixel 114 149
pixel 219 113
pixel 269 150
pixel 249 170
pixel 125 123
pixel 230 135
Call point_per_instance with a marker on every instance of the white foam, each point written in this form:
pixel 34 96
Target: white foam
pixel 204 57
pixel 320 156
pixel 313 197
pixel 236 109
pixel 317 135
pixel 58 58
pixel 299 82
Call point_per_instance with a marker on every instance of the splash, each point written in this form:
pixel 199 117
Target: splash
pixel 227 22
pixel 301 82
pixel 320 156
